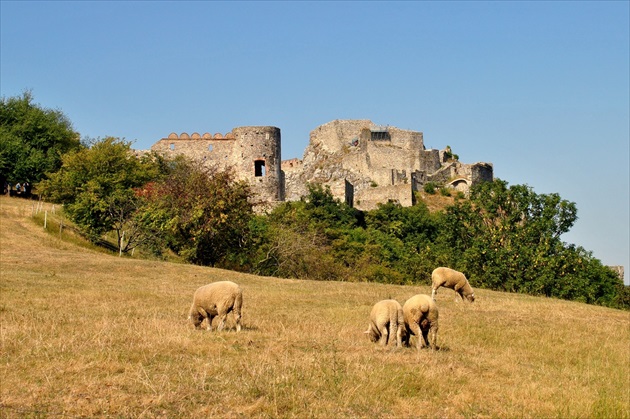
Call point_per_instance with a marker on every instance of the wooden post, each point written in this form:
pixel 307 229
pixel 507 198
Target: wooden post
pixel 45 219
pixel 120 245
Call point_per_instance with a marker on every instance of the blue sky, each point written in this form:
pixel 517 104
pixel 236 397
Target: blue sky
pixel 539 89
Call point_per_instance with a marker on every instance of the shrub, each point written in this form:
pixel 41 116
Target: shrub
pixel 429 188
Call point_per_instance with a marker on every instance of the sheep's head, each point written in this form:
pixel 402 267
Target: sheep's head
pixel 196 318
pixel 371 335
pixel 471 297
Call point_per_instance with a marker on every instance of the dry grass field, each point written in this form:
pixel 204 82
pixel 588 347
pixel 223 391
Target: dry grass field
pixel 88 334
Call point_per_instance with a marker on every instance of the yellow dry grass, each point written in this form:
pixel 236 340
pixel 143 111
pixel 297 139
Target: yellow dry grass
pixel 87 334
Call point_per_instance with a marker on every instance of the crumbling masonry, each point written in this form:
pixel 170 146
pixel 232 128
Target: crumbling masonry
pixel 362 163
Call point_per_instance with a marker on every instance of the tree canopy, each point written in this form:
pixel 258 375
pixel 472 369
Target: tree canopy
pixel 33 139
pixel 200 213
pixel 96 185
pixel 506 238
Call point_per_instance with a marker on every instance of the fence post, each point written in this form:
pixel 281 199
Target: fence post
pixel 120 245
pixel 45 219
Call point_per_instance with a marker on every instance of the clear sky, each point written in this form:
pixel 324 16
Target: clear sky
pixel 540 89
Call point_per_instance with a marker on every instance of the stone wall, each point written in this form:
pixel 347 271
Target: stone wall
pixel 254 153
pixel 618 269
pixel 369 198
pixel 377 163
pixel 362 163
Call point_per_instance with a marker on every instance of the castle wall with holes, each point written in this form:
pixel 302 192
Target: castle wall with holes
pixel 362 163
pixel 253 153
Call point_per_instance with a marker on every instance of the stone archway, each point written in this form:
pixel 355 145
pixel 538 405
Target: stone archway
pixel 461 185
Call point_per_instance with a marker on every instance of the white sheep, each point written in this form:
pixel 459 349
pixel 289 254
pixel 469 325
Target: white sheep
pixel 421 319
pixel 450 278
pixel 217 299
pixel 386 321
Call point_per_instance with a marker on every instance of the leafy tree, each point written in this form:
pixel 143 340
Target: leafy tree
pixel 200 213
pixel 296 239
pixel 509 239
pixel 97 187
pixel 32 139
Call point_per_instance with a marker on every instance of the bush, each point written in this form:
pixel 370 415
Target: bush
pixel 429 187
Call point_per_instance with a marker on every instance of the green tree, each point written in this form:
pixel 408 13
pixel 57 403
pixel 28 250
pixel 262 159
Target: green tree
pixel 405 236
pixel 297 239
pixel 509 239
pixel 200 213
pixel 97 186
pixel 32 139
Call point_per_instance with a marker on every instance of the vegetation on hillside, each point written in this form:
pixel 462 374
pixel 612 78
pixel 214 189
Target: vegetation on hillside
pixel 199 213
pixel 97 185
pixel 33 140
pixel 503 237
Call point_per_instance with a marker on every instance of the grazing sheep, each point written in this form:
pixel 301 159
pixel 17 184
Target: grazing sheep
pixel 450 278
pixel 217 299
pixel 386 320
pixel 421 319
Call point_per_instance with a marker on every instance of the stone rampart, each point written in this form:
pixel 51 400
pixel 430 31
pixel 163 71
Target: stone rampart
pixel 253 153
pixel 362 163
pixel 368 199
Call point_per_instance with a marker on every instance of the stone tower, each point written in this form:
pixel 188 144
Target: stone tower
pixel 252 152
pixel 260 161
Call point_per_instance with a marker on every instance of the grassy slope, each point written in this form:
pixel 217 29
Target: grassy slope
pixel 89 334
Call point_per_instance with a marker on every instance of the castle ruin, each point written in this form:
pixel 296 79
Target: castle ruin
pixel 363 164
pixel 253 153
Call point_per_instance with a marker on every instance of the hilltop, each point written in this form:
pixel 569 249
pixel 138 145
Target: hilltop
pixel 88 334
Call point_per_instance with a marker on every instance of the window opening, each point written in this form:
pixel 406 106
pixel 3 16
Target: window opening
pixel 380 133
pixel 259 168
pixel 172 146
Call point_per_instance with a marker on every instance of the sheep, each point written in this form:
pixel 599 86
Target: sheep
pixel 450 278
pixel 386 320
pixel 217 299
pixel 421 319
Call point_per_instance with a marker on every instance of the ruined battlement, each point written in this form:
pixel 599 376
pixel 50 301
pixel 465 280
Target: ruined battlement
pixel 253 153
pixel 363 163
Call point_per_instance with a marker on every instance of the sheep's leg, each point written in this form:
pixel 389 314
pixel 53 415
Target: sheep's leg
pixel 425 334
pixel 393 331
pixel 384 336
pixel 237 319
pixel 399 333
pixel 209 317
pixel 415 329
pixel 433 334
pixel 406 335
pixel 222 318
pixel 433 292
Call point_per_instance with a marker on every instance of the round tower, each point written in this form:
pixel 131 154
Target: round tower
pixel 260 161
